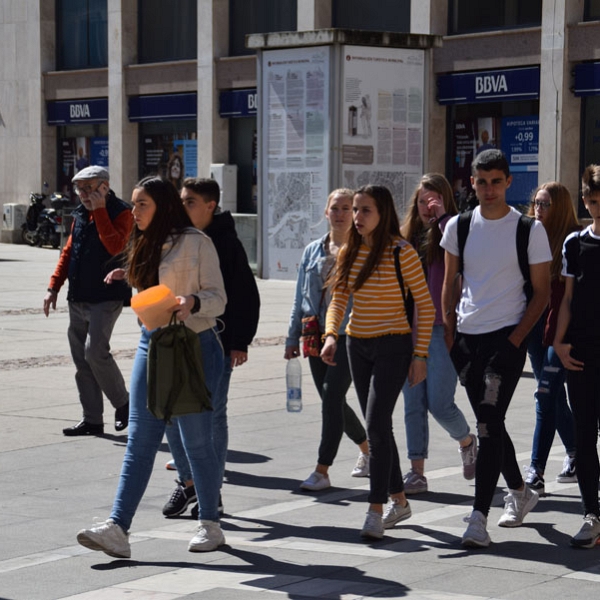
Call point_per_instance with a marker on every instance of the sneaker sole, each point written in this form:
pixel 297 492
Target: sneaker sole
pixel 572 479
pixel 359 474
pixel 392 524
pixel 528 508
pixel 370 535
pixel 412 492
pixel 540 491
pixel 176 514
pixel 473 543
pixel 204 548
pixel 311 488
pixel 91 544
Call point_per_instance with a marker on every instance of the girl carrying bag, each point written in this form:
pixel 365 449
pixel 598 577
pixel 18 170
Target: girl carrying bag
pixel 175 375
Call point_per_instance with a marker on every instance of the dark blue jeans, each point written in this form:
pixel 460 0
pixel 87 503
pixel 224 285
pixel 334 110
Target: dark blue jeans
pixel 379 368
pixel 552 412
pixel 489 367
pixel 332 383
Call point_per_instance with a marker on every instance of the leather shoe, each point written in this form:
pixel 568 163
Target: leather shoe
pixel 84 428
pixel 122 417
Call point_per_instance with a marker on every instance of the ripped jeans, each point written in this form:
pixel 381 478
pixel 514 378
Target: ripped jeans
pixel 489 368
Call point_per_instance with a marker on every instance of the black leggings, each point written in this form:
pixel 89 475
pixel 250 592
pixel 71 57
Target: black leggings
pixel 379 368
pixel 332 383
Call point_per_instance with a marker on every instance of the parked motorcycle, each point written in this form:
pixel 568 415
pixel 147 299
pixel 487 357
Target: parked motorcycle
pixel 43 225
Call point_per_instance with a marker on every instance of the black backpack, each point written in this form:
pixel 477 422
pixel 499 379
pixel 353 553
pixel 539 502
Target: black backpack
pixel 523 229
pixel 409 303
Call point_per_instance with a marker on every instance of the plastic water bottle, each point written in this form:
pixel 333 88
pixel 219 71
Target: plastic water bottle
pixel 293 377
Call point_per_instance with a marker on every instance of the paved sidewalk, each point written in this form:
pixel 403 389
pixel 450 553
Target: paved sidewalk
pixel 281 542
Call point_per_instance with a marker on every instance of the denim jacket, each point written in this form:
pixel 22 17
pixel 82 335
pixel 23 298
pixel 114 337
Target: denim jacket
pixel 310 299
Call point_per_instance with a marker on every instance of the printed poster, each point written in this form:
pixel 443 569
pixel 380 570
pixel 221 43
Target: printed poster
pixel 295 154
pixel 382 119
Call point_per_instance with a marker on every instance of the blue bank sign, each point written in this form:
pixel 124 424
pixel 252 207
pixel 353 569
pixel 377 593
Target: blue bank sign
pixel 237 103
pixel 64 112
pixel 489 86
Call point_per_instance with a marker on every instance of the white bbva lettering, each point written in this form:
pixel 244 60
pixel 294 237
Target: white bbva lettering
pixel 78 111
pixel 251 101
pixel 490 83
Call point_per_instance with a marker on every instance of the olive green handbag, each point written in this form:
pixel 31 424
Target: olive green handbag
pixel 175 375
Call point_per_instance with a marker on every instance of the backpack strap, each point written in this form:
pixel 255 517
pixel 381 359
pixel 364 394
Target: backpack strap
pixel 397 251
pixel 408 300
pixel 464 222
pixel 523 229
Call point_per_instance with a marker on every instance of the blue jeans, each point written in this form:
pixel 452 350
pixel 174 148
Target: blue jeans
pixel 552 412
pixel 436 395
pixel 379 367
pixel 146 433
pixel 220 435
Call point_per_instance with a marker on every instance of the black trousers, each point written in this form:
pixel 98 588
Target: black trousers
pixel 584 396
pixel 489 367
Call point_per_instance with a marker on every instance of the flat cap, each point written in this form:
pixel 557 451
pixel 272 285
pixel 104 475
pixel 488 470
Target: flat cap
pixel 91 172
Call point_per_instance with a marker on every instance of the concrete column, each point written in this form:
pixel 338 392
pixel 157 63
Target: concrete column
pixel 48 133
pixel 314 14
pixel 122 135
pixel 431 17
pixel 559 145
pixel 213 42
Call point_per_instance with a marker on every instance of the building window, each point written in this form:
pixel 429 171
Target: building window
pixel 592 10
pixel 81 34
pixel 167 30
pixel 378 15
pixel 258 16
pixel 469 16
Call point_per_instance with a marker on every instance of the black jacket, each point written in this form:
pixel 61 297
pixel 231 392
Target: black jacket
pixel 90 262
pixel 243 301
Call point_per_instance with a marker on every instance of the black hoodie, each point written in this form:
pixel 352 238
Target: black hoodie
pixel 243 301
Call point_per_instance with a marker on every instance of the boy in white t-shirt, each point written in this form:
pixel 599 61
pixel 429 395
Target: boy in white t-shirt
pixel 487 322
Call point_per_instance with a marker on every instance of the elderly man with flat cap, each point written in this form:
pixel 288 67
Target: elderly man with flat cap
pixel 101 227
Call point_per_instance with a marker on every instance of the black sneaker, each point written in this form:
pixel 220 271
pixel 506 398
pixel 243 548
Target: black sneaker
pixel 84 428
pixel 535 481
pixel 122 417
pixel 221 509
pixel 180 499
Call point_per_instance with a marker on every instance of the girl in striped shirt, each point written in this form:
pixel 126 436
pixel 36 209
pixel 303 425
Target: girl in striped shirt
pixel 379 340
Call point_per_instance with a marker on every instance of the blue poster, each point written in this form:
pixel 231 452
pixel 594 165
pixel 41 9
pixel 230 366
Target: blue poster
pixel 520 141
pixel 99 151
pixel 189 150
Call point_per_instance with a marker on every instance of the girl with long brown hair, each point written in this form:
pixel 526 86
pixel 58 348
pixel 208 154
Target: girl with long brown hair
pixel 379 340
pixel 430 207
pixel 164 248
pixel 551 204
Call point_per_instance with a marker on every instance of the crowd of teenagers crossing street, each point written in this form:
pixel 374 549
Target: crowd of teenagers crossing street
pixel 403 307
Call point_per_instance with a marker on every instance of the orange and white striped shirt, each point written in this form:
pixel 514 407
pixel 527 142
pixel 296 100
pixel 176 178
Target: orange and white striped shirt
pixel 378 307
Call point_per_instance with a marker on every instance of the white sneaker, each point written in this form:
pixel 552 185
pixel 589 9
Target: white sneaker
pixel 315 482
pixel 476 535
pixel 394 513
pixel 373 527
pixel 589 533
pixel 569 471
pixel 361 469
pixel 208 538
pixel 517 505
pixel 107 537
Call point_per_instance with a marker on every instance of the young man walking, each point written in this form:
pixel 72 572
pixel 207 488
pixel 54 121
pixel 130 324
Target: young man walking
pixel 487 320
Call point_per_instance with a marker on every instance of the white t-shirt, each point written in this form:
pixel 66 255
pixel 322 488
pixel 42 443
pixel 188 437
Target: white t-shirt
pixel 492 295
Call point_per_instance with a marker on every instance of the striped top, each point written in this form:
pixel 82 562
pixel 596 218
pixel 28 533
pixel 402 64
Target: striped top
pixel 378 308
